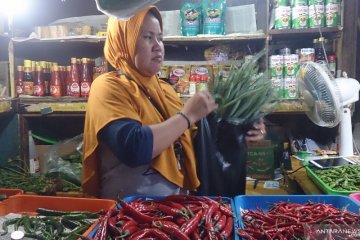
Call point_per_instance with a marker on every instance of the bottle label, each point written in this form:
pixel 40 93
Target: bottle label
pixel 28 88
pixel 39 90
pixel 55 90
pixel 85 89
pixel 74 89
pixel 19 90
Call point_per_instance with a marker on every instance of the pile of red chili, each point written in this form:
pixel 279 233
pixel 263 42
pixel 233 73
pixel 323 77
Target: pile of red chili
pixel 290 220
pixel 172 217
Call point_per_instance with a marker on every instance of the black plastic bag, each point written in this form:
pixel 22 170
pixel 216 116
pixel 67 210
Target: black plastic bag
pixel 221 155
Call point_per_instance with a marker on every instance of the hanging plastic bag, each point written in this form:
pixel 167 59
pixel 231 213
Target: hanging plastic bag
pixel 63 160
pixel 122 9
pixel 221 155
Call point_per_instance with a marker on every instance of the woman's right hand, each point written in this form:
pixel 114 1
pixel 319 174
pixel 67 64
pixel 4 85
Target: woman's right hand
pixel 199 106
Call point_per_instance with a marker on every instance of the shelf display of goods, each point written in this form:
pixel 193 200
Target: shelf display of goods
pixel 298 14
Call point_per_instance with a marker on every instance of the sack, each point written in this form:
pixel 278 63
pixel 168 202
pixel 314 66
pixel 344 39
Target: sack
pixel 221 155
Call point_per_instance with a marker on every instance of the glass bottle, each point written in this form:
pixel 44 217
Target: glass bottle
pixel 28 78
pixel 320 55
pixel 85 81
pixel 203 82
pixel 192 85
pixel 55 83
pixel 39 86
pixel 20 81
pixel 74 87
pixel 68 80
pixel 46 76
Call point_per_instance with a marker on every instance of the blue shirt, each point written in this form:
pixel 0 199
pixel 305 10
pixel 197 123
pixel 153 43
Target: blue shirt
pixel 129 141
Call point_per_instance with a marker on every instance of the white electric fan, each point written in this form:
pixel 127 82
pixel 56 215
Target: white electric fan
pixel 329 100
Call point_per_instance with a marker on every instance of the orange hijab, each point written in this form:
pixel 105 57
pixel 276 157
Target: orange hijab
pixel 115 97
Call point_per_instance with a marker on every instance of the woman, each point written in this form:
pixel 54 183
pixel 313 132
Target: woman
pixel 137 136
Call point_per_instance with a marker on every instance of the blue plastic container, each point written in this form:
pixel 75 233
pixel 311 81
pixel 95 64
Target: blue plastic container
pixel 132 198
pixel 264 202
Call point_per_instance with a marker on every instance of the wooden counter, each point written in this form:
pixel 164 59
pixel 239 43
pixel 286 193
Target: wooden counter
pixel 295 182
pixel 301 178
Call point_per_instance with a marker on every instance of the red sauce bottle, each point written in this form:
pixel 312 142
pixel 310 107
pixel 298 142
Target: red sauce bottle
pixel 20 81
pixel 85 78
pixel 55 83
pixel 39 86
pixel 73 80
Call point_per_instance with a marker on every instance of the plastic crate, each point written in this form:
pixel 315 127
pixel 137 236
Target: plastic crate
pixel 27 204
pixel 8 192
pixel 323 186
pixel 355 196
pixel 132 198
pixel 264 202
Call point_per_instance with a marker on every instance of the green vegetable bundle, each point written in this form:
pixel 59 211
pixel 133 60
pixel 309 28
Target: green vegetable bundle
pixel 245 93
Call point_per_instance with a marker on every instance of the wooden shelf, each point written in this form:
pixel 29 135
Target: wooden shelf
pixel 213 38
pixel 306 32
pixel 51 105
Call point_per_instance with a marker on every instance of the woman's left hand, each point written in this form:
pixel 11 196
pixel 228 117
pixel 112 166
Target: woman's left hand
pixel 256 133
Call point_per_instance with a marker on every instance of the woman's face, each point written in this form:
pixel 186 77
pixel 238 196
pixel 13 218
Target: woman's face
pixel 149 53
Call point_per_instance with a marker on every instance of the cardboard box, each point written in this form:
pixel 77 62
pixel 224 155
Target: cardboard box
pixel 260 162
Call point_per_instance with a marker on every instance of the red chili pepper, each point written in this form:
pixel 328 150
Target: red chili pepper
pixel 190 226
pixel 227 231
pixel 140 217
pixel 224 209
pixel 180 221
pixel 128 224
pixel 171 230
pixel 174 212
pixel 195 236
pixel 102 232
pixel 175 205
pixel 219 226
pixel 130 230
pixel 208 217
pixel 112 225
pixel 244 234
pixel 217 215
pixel 182 198
pixel 149 232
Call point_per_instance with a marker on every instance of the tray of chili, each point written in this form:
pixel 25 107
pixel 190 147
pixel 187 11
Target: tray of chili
pixel 342 180
pixel 7 192
pixel 21 211
pixel 291 216
pixel 170 217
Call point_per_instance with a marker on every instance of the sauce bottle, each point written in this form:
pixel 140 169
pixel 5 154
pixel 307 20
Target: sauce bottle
pixel 85 82
pixel 55 83
pixel 39 86
pixel 28 79
pixel 320 55
pixel 46 76
pixel 192 85
pixel 74 87
pixel 20 81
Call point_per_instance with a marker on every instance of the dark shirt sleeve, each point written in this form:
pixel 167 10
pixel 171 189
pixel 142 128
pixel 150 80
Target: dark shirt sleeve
pixel 130 142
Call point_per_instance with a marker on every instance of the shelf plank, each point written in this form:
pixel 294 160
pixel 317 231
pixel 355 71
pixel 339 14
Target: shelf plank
pixel 296 33
pixel 47 105
pixel 167 39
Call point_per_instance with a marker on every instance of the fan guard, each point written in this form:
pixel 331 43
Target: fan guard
pixel 321 94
